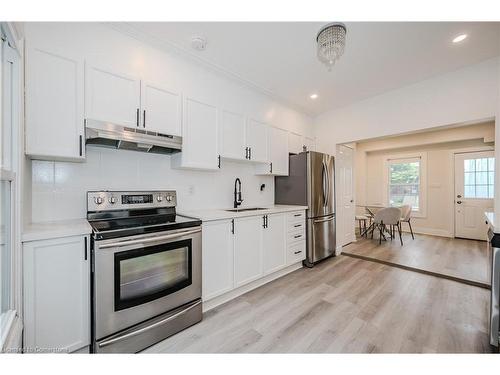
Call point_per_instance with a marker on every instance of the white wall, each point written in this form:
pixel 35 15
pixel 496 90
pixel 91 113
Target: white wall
pixel 438 181
pixel 58 188
pixel 465 95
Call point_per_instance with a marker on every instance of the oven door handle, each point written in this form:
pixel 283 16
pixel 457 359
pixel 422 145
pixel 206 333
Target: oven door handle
pixel 142 330
pixel 149 239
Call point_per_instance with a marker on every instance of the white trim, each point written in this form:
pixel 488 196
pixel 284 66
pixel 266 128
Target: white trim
pixel 226 297
pixel 395 158
pixel 130 30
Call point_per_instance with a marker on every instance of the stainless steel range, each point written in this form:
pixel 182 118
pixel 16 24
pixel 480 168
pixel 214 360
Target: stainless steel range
pixel 146 269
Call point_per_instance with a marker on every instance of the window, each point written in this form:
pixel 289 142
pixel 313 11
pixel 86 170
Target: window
pixel 479 178
pixel 404 182
pixel 9 247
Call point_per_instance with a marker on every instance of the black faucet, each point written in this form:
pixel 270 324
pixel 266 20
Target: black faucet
pixel 237 193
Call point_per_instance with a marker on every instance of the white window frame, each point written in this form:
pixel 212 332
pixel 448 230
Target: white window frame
pixel 402 158
pixel 11 321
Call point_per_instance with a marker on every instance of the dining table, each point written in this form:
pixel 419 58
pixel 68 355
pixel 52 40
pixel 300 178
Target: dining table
pixel 370 211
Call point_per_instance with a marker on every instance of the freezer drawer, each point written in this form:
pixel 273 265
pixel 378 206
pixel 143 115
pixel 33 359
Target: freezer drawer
pixel 320 239
pixel 494 243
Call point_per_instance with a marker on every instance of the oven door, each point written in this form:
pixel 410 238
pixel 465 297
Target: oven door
pixel 139 277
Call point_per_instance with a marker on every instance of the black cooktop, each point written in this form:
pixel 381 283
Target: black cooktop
pixel 124 224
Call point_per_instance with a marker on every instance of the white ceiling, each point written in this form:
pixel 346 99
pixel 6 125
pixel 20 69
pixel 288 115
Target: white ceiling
pixel 280 58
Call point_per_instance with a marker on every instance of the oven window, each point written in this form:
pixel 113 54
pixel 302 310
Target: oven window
pixel 145 274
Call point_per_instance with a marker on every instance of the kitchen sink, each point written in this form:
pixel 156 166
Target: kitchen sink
pixel 246 209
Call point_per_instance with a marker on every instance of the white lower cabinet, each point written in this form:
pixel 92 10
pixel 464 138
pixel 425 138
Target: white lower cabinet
pixel 247 249
pixel 217 259
pixel 240 251
pixel 56 294
pixel 274 235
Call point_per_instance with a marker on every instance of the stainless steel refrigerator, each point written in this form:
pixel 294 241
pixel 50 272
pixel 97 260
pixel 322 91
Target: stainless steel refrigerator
pixel 311 182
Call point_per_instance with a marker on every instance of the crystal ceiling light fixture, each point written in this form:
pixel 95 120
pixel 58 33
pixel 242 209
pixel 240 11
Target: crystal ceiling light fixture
pixel 331 43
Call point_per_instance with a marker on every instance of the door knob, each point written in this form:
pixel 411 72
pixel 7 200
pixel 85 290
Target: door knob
pixel 459 196
pixel 459 202
pixel 352 200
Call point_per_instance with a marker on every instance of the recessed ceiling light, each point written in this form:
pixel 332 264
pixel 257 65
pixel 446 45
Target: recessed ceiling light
pixel 459 38
pixel 313 96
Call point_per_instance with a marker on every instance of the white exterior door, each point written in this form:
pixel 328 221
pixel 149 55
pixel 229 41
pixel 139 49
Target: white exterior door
pixel 257 141
pixel 161 109
pixel 232 136
pixel 346 189
pixel 273 254
pixel 112 96
pixel 247 249
pixel 474 193
pixel 54 105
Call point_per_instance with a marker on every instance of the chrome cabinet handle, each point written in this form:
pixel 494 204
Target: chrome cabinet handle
pixel 149 239
pixel 139 331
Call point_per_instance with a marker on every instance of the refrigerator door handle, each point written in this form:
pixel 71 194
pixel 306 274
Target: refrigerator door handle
pixel 324 220
pixel 328 186
pixel 323 183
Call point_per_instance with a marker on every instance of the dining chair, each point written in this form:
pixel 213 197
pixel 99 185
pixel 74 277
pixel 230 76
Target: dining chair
pixel 362 219
pixel 406 217
pixel 389 216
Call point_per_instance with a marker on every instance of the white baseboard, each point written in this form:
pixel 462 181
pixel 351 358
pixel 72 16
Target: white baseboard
pixel 226 297
pixel 338 249
pixel 429 231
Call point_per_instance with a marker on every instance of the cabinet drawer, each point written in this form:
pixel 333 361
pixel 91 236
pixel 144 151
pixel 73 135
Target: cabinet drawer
pixel 296 252
pixel 295 216
pixel 296 226
pixel 297 235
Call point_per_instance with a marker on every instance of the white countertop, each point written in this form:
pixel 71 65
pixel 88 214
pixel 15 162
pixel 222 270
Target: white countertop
pixel 55 229
pixel 221 214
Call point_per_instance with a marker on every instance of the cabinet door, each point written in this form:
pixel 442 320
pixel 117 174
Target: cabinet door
pixel 274 243
pixel 257 141
pixel 247 249
pixel 54 106
pixel 278 151
pixel 309 144
pixel 111 96
pixel 161 109
pixel 57 293
pixel 232 136
pixel 199 137
pixel 217 258
pixel 294 143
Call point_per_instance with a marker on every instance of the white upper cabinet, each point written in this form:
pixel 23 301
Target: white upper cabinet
pixel 294 143
pixel 112 96
pixel 160 109
pixel 278 154
pixel 232 136
pixel 257 141
pixel 199 137
pixel 309 144
pixel 274 243
pixel 247 249
pixel 54 105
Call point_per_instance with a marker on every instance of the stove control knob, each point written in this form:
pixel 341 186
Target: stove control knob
pixel 159 198
pixel 169 198
pixel 98 200
pixel 112 200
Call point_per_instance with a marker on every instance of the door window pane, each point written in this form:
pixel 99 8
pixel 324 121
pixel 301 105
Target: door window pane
pixel 479 178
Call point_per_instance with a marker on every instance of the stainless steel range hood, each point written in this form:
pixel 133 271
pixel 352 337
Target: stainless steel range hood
pixel 108 135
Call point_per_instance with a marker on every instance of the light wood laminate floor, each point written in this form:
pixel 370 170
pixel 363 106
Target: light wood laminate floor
pixel 466 259
pixel 344 305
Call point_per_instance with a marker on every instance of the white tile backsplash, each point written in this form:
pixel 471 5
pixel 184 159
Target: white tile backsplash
pixel 59 188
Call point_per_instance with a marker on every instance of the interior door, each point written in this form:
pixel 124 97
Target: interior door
pixel 161 109
pixel 474 193
pixel 346 186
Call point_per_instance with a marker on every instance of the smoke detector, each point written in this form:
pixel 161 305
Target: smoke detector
pixel 198 43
